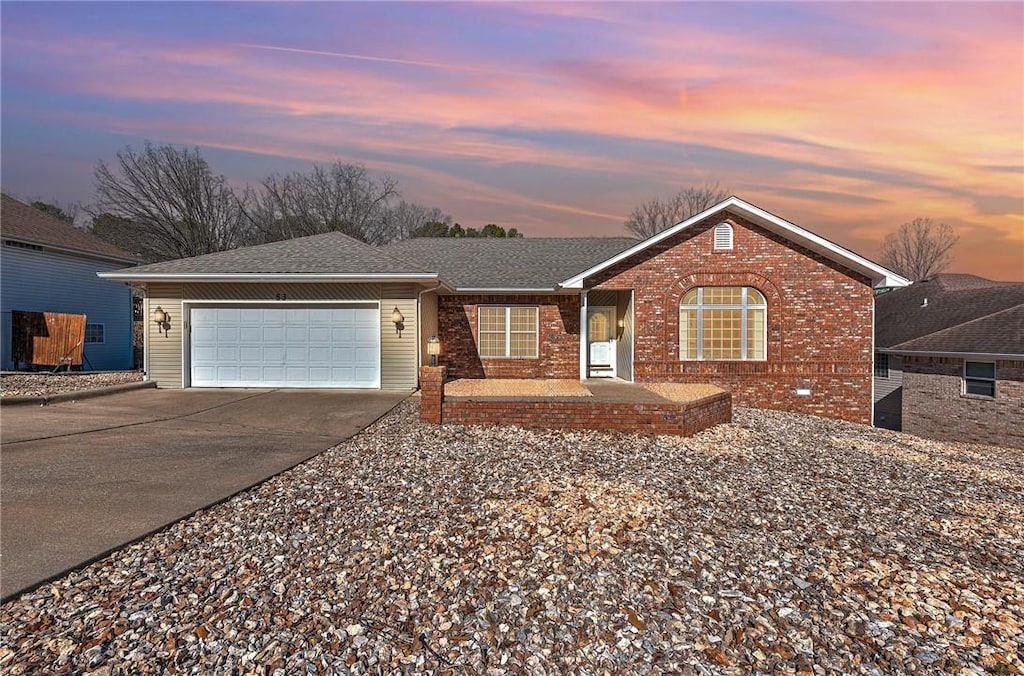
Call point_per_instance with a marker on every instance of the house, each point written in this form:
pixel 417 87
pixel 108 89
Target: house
pixel 47 265
pixel 949 361
pixel 733 296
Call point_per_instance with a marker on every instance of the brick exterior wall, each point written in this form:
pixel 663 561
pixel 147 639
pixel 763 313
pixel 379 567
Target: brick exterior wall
pixel 683 419
pixel 431 393
pixel 934 406
pixel 819 319
pixel 558 353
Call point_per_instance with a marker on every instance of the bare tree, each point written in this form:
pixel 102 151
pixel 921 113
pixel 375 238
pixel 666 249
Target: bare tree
pixel 340 197
pixel 919 249
pixel 653 216
pixel 405 219
pixel 173 195
pixel 67 213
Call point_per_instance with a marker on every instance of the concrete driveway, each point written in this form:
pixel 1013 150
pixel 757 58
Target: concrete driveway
pixel 78 480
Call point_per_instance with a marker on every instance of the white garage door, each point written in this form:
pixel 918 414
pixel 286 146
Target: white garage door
pixel 286 347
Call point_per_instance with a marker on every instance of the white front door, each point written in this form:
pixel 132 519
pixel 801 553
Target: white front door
pixel 280 346
pixel 601 342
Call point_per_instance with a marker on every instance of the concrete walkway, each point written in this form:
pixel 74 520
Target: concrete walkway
pixel 79 479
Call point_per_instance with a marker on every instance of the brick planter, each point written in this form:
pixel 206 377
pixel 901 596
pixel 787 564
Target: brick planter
pixel 680 419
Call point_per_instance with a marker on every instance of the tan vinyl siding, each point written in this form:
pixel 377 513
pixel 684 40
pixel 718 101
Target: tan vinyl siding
pixel 398 366
pixel 601 298
pixel 163 361
pixel 428 323
pixel 282 291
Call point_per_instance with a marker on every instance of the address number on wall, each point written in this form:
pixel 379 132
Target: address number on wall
pixel 280 296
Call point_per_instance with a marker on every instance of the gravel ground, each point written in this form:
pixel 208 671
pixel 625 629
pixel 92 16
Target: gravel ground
pixel 48 384
pixel 778 544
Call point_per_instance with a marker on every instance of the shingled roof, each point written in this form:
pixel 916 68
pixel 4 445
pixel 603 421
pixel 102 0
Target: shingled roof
pixel 997 333
pixel 23 223
pixel 332 254
pixel 952 313
pixel 509 264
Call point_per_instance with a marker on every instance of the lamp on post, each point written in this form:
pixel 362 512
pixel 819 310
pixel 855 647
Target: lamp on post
pixel 433 349
pixel 398 319
pixel 162 320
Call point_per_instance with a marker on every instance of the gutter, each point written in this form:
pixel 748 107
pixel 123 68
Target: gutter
pixel 954 355
pixel 266 277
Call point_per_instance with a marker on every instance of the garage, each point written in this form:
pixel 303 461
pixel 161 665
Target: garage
pixel 285 346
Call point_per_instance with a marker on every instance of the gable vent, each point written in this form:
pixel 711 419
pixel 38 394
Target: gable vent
pixel 723 236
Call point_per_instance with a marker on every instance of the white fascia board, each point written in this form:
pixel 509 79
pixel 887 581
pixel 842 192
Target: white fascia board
pixel 954 355
pixel 129 276
pixel 881 277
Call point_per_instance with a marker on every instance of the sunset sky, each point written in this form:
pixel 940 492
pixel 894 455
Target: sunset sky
pixel 845 118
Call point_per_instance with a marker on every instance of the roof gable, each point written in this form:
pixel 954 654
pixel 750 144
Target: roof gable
pixel 880 276
pixel 24 223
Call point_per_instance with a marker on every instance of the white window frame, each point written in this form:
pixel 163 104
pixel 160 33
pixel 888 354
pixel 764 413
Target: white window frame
pixel 508 332
pixel 723 236
pixel 103 334
pixel 992 380
pixel 743 307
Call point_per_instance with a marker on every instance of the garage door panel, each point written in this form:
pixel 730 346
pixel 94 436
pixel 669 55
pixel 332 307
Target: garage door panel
pixel 285 347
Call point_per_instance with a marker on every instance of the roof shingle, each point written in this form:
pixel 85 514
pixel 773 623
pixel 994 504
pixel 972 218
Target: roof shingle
pixel 21 222
pixel 514 264
pixel 952 313
pixel 328 253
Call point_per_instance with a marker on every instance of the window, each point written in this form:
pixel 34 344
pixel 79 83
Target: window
pixel 881 365
pixel 980 378
pixel 94 333
pixel 507 331
pixel 723 237
pixel 723 322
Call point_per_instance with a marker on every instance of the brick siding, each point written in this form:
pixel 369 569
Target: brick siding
pixel 682 419
pixel 558 354
pixel 934 406
pixel 819 333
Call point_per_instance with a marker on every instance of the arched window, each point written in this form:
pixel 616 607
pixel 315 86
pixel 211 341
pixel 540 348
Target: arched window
pixel 723 236
pixel 723 322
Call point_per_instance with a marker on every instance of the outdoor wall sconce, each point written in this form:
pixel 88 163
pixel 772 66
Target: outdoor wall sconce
pixel 398 320
pixel 433 349
pixel 162 320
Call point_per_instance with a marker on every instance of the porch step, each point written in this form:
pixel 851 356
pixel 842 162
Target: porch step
pixel 622 392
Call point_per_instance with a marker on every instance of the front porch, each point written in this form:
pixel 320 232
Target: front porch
pixel 602 404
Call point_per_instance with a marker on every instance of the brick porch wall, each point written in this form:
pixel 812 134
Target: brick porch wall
pixel 559 344
pixel 934 407
pixel 819 320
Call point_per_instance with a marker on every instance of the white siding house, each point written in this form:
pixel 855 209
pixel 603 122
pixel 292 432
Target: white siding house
pixel 50 266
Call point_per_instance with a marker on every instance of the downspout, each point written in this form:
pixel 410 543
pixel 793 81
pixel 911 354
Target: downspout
pixel 419 328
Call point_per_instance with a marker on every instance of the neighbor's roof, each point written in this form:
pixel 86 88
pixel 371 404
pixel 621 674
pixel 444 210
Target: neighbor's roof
pixel 879 276
pixel 953 299
pixel 328 256
pixel 520 264
pixel 1000 333
pixel 23 223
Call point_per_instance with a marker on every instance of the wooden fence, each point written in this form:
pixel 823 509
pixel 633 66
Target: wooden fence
pixel 47 338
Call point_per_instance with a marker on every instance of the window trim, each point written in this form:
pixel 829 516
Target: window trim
pixel 743 306
pixel 966 378
pixel 103 334
pixel 508 332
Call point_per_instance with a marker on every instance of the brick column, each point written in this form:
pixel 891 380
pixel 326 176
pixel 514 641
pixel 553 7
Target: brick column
pixel 431 393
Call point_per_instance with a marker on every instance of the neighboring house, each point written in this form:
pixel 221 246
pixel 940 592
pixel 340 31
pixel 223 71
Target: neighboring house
pixel 733 296
pixel 47 265
pixel 949 360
